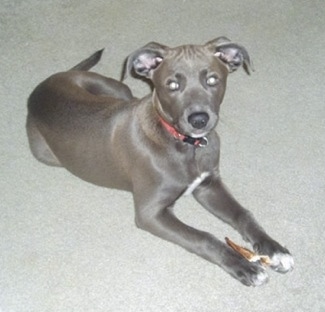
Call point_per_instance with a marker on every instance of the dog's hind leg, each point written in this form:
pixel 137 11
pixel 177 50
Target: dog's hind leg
pixel 39 146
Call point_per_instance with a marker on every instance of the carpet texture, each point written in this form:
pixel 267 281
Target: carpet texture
pixel 66 245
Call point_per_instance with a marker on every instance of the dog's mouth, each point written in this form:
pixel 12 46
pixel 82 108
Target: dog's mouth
pixel 198 134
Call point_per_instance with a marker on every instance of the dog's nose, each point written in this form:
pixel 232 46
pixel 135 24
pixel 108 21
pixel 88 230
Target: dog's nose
pixel 198 120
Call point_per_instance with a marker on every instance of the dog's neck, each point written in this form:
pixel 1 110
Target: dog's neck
pixel 198 142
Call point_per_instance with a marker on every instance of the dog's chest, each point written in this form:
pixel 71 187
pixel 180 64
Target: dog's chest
pixel 196 182
pixel 199 164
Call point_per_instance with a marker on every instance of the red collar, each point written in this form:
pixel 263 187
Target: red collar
pixel 198 142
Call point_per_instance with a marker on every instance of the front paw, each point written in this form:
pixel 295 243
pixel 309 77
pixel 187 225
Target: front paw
pixel 282 262
pixel 248 273
pixel 280 258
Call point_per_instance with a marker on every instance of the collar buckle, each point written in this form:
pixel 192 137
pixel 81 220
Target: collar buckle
pixel 203 142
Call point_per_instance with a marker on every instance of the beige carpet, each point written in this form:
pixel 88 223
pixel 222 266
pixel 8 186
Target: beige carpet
pixel 66 245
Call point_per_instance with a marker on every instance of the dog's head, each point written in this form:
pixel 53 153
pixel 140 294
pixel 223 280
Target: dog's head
pixel 189 81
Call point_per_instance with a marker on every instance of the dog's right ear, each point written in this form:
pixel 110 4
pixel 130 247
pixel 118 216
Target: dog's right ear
pixel 144 60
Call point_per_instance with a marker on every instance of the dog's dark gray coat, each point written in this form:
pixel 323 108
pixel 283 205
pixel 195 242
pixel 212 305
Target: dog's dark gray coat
pixel 96 129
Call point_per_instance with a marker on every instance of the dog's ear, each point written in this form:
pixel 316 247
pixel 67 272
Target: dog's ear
pixel 232 54
pixel 144 60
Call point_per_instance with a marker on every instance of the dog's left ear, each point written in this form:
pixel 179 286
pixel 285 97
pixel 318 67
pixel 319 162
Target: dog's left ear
pixel 232 54
pixel 145 60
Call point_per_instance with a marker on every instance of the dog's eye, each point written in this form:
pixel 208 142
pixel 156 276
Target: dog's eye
pixel 212 81
pixel 173 85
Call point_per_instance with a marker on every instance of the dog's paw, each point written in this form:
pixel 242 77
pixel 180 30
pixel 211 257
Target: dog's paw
pixel 280 258
pixel 249 273
pixel 282 262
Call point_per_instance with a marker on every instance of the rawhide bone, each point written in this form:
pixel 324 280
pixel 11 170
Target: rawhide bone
pixel 248 254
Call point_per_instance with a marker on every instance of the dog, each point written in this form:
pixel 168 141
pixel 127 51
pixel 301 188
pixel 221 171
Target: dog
pixel 160 147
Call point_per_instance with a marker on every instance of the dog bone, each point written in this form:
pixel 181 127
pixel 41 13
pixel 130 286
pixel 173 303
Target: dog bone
pixel 248 254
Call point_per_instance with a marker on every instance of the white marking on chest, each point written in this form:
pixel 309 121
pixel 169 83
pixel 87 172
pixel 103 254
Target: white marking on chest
pixel 196 183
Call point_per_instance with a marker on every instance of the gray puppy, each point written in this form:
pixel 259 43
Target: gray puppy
pixel 159 147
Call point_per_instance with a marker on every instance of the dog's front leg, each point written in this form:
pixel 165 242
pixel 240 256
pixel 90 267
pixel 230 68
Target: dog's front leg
pixel 213 195
pixel 155 215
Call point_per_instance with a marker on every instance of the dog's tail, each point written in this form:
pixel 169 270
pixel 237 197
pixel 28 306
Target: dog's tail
pixel 89 62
